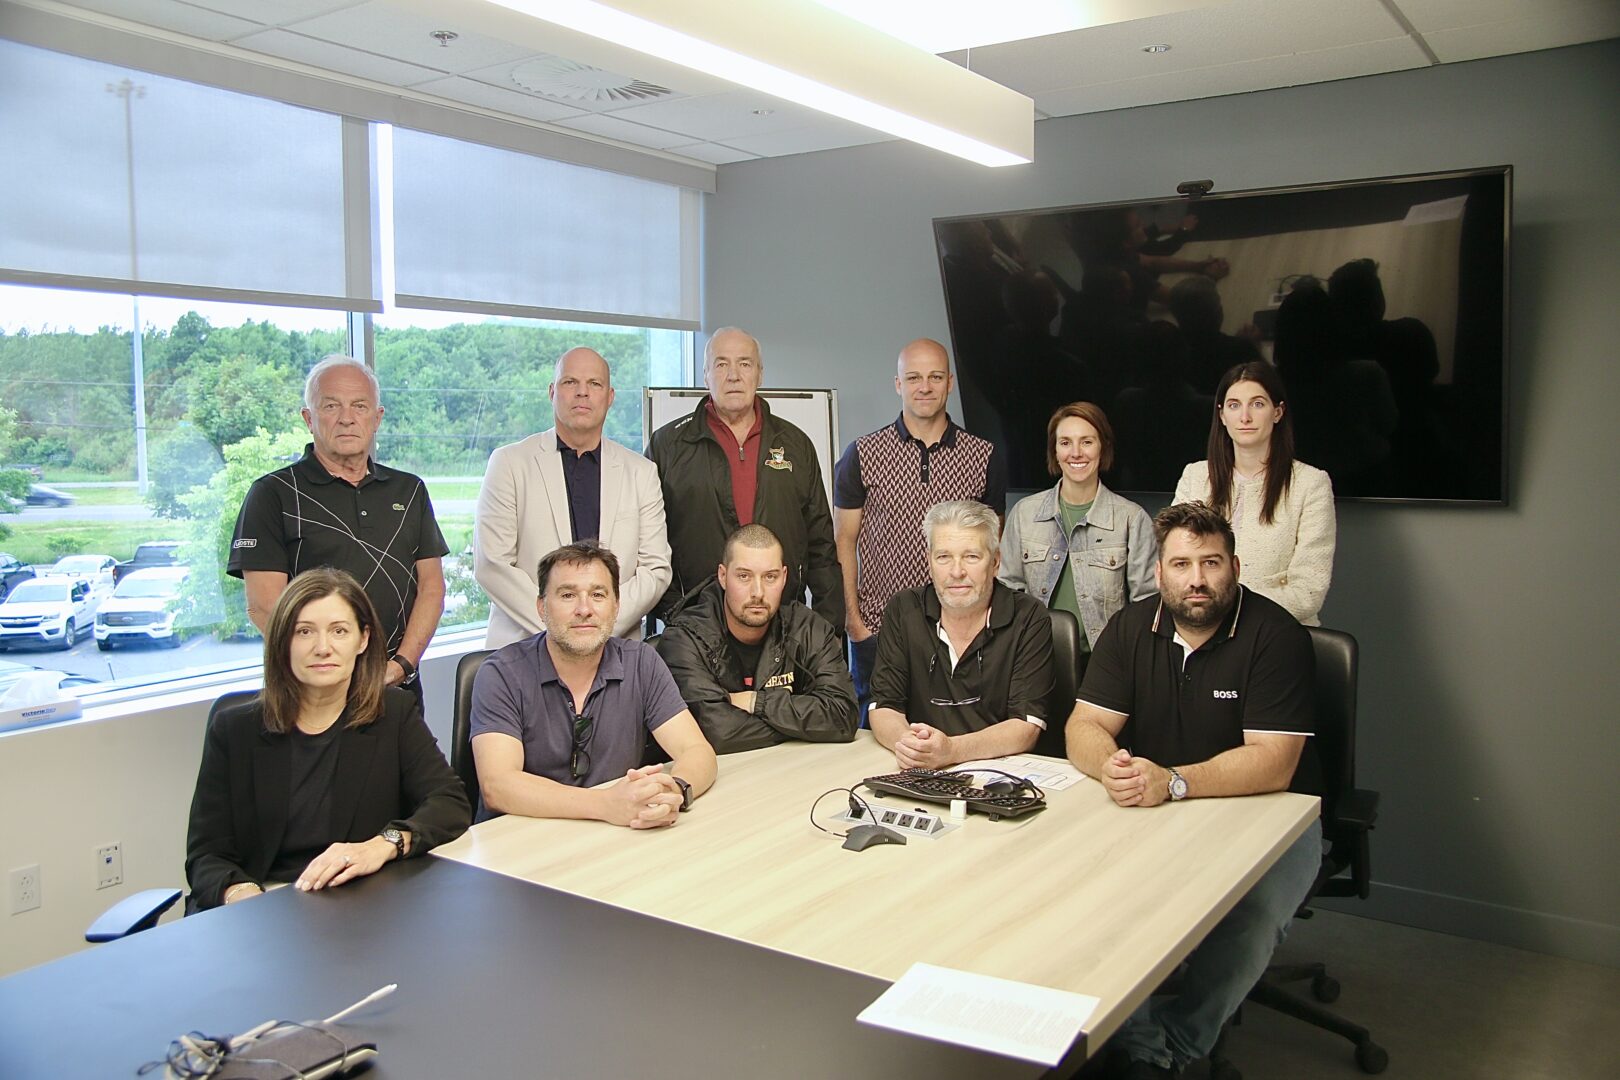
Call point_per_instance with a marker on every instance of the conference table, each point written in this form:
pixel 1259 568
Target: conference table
pixel 742 942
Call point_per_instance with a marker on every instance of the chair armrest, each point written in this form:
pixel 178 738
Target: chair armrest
pixel 132 914
pixel 1357 810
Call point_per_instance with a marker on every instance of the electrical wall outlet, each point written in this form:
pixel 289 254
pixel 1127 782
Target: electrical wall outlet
pixel 24 889
pixel 109 865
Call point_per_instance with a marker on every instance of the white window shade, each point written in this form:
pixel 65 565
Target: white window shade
pixel 235 197
pixel 483 229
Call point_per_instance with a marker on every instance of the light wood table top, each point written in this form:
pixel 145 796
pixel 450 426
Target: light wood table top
pixel 1083 896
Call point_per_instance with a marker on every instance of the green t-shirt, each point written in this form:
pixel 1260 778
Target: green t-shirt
pixel 1063 598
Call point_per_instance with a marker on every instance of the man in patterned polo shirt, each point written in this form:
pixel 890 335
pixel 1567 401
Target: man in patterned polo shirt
pixel 885 483
pixel 337 507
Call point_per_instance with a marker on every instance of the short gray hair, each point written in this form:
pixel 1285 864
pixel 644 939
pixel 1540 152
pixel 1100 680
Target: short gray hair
pixel 708 348
pixel 962 514
pixel 336 360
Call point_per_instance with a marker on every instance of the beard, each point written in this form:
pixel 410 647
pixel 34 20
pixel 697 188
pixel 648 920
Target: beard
pixel 1204 616
pixel 582 643
pixel 755 617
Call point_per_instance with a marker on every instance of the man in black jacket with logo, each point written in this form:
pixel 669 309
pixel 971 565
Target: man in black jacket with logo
pixel 756 670
pixel 733 463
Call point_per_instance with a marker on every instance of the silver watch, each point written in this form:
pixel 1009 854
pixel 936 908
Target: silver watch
pixel 1178 786
pixel 395 837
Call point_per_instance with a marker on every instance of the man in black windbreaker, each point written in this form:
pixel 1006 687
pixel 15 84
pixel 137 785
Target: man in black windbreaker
pixel 755 669
pixel 732 463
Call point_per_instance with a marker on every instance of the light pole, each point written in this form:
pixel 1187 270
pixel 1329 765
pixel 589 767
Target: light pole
pixel 128 91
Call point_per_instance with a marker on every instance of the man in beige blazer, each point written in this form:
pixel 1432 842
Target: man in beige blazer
pixel 565 484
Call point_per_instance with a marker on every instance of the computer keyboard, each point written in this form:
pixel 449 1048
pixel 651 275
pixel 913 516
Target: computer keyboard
pixel 942 787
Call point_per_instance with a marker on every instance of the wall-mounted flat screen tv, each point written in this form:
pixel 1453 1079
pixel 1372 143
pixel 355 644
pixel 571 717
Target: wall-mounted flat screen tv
pixel 1382 304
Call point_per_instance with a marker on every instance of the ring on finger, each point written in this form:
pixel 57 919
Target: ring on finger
pixel 347 860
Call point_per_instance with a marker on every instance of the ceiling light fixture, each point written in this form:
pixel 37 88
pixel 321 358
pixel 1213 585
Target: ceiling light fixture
pixel 805 53
pixel 1161 47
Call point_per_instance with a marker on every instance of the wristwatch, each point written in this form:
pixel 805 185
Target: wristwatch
pixel 395 837
pixel 686 794
pixel 1178 786
pixel 406 666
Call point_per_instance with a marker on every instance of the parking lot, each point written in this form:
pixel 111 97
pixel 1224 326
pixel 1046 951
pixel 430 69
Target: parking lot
pixel 195 655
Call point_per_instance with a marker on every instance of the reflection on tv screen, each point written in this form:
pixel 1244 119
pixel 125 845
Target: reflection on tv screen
pixel 1381 303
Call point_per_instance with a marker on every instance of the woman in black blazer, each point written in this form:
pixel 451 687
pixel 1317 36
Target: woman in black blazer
pixel 327 774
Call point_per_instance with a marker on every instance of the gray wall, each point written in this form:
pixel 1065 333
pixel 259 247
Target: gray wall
pixel 1489 682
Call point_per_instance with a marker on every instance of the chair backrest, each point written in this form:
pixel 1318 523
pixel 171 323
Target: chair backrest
pixel 1335 740
pixel 1065 682
pixel 461 756
pixel 225 701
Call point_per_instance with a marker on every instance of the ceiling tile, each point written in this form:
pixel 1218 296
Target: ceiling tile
pixel 722 117
pixel 515 102
pixel 404 32
pixel 276 12
pixel 1426 15
pixel 1592 22
pixel 172 15
pixel 324 54
pixel 1265 74
pixel 623 130
pixel 1205 37
pixel 713 153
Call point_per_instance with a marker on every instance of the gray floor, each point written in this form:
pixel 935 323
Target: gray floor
pixel 1442 1006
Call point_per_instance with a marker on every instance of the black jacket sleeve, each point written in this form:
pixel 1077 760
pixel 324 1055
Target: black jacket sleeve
pixel 428 785
pixel 822 574
pixel 728 728
pixel 825 711
pixel 214 854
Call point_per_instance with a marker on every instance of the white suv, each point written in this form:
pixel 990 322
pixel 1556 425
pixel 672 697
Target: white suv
pixel 53 611
pixel 141 608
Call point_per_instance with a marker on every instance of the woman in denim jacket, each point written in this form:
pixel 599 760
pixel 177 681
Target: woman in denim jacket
pixel 1079 547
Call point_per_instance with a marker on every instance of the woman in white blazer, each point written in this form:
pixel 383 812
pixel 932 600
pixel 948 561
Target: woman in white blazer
pixel 1281 509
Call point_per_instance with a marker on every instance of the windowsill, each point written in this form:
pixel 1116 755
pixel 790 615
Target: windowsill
pixel 136 701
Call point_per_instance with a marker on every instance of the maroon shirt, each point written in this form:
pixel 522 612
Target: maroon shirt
pixel 744 463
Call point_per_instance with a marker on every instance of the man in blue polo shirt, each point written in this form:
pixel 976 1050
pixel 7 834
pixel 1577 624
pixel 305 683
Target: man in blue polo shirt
pixel 1203 691
pixel 556 715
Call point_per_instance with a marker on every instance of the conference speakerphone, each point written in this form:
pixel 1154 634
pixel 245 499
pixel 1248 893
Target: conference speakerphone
pixel 999 800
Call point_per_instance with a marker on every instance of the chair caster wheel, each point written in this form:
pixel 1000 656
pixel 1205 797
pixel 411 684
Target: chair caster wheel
pixel 1372 1058
pixel 1325 988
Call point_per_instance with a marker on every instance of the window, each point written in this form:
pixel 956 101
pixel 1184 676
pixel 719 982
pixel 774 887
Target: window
pixel 259 237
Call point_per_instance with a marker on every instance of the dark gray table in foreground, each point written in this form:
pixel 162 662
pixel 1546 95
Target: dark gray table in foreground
pixel 496 978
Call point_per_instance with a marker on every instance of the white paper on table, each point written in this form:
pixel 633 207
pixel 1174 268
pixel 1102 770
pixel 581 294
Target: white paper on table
pixel 1014 1019
pixel 1044 774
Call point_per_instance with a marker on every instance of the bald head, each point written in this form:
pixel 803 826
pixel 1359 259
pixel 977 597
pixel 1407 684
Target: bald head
pixel 581 394
pixel 923 380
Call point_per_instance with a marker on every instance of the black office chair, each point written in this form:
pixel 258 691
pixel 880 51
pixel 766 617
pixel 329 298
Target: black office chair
pixel 142 911
pixel 1066 675
pixel 1348 815
pixel 461 756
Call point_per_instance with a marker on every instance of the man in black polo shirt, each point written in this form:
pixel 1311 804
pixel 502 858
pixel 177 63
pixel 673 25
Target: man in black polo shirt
pixel 1203 691
pixel 337 507
pixel 964 665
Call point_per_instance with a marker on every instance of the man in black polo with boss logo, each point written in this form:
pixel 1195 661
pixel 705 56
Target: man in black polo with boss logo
pixel 337 507
pixel 1205 690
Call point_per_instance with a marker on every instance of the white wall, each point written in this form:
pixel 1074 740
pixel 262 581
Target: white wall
pixel 1489 684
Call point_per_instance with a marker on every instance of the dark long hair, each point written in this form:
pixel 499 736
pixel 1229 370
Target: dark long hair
pixel 1280 456
pixel 283 694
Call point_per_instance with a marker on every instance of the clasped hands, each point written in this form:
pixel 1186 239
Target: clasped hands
pixel 1134 781
pixel 924 747
pixel 647 798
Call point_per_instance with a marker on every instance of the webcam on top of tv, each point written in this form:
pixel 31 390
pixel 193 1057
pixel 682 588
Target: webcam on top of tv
pixel 1195 189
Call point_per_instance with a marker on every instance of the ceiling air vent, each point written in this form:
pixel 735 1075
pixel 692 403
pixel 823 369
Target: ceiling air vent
pixel 556 77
